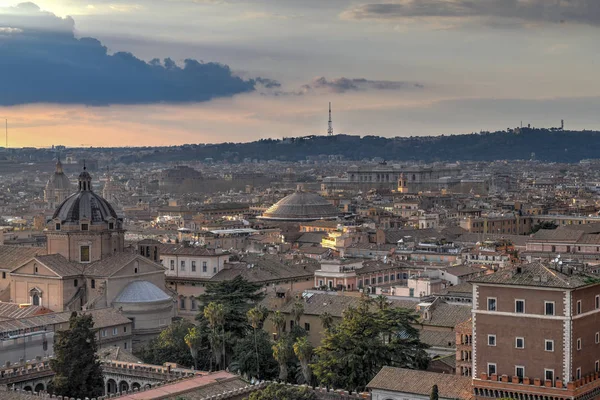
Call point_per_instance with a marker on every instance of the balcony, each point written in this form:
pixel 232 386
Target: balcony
pixel 514 387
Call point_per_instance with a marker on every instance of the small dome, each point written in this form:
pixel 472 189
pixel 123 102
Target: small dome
pixel 141 292
pixel 301 206
pixel 59 181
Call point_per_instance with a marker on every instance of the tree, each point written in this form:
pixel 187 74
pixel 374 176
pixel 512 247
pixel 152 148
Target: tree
pixel 256 317
pixel 326 320
pixel 215 315
pixel 368 338
pixel 237 296
pixel 382 301
pixel 193 339
pixel 76 366
pixel 245 362
pixel 297 311
pixel 277 391
pixel 282 353
pixel 434 393
pixel 170 346
pixel 278 320
pixel 544 225
pixel 304 351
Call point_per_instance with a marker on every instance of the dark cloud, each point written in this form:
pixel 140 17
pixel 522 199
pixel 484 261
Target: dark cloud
pixel 268 83
pixel 557 11
pixel 43 62
pixel 342 85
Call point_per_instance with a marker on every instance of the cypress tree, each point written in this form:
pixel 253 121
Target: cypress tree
pixel 77 368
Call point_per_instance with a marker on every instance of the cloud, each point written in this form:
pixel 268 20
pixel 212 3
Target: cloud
pixel 524 11
pixel 342 85
pixel 43 62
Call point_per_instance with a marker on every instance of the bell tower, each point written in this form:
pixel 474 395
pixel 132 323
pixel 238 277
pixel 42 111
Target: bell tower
pixel 402 184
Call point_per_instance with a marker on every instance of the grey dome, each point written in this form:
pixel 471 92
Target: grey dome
pixel 301 206
pixel 85 204
pixel 141 292
pixel 59 181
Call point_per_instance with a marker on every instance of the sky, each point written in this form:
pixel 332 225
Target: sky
pixel 148 72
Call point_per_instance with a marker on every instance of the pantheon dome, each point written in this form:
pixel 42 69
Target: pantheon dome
pixel 301 206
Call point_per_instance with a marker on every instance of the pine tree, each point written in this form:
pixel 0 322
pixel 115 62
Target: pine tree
pixel 77 368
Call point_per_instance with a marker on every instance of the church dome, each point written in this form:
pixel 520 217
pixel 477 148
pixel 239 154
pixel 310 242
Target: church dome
pixel 301 206
pixel 85 204
pixel 59 181
pixel 141 292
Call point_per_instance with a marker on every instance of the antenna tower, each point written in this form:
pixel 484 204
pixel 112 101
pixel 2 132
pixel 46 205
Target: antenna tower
pixel 330 125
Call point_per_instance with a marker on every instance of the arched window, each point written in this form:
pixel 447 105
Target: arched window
pixel 35 299
pixel 182 303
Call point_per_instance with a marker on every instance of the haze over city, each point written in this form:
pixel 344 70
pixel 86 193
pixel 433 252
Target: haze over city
pixel 396 68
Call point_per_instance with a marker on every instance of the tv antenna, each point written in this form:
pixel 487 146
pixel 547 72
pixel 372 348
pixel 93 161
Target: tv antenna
pixel 330 125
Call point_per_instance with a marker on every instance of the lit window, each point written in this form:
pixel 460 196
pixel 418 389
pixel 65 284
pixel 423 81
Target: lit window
pixel 84 253
pixel 491 303
pixel 491 340
pixel 549 345
pixel 549 307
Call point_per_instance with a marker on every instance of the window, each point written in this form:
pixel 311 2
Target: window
pixel 75 283
pixel 520 371
pixel 57 227
pixel 93 284
pixel 291 324
pixel 549 345
pixel 579 344
pixel 104 332
pixel 182 267
pixel 193 266
pixel 111 225
pixel 214 270
pixel 520 343
pixel 125 329
pixel 3 275
pixel 578 373
pixel 597 366
pixel 135 270
pixel 549 374
pixel 172 265
pixel 491 340
pixel 85 227
pixel 578 306
pixel 520 306
pixel 115 331
pixel 35 269
pixel 306 326
pixel 491 369
pixel 193 303
pixel 597 337
pixel 491 303
pixel 182 303
pixel 125 345
pixel 549 307
pixel 84 254
pixel 597 302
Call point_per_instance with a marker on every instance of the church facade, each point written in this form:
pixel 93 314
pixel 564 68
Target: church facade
pixel 86 266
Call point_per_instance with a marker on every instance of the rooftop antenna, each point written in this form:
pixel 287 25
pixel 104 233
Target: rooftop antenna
pixel 6 132
pixel 330 125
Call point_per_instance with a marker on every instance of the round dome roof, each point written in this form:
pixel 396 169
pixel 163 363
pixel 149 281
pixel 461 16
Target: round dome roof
pixel 141 292
pixel 301 206
pixel 85 204
pixel 59 181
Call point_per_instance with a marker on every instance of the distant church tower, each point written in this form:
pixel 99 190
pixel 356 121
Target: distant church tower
pixel 58 187
pixel 402 184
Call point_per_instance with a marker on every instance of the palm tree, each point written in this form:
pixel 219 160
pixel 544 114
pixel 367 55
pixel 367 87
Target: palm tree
pixel 281 354
pixel 192 339
pixel 278 320
pixel 382 301
pixel 215 314
pixel 326 320
pixel 304 351
pixel 256 317
pixel 297 312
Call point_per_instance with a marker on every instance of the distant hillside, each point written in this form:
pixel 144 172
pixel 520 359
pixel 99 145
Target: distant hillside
pixel 548 145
